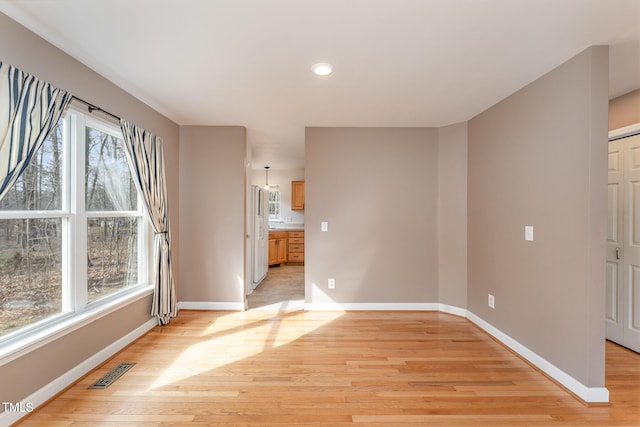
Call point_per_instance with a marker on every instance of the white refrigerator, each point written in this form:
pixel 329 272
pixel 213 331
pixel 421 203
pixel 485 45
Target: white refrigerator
pixel 260 235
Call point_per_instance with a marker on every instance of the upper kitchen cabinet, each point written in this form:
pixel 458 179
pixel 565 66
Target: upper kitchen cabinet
pixel 297 195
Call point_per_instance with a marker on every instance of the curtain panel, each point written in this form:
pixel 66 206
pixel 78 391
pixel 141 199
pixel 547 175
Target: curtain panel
pixel 147 166
pixel 29 110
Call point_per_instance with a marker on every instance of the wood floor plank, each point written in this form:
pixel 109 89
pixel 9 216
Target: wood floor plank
pixel 261 368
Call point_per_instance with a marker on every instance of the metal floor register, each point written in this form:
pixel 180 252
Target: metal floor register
pixel 112 375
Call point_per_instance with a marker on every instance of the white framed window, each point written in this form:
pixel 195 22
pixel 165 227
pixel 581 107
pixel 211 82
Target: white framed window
pixel 73 232
pixel 274 203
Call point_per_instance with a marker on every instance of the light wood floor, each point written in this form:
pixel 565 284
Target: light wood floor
pixel 294 368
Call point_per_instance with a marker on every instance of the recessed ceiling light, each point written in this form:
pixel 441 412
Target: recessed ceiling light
pixel 322 69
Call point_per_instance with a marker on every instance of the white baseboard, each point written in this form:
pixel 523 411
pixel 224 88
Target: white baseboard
pixel 450 309
pixel 588 394
pixel 65 380
pixel 374 306
pixel 206 305
pixel 354 306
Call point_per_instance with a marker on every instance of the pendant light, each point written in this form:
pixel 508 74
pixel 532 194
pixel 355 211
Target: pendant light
pixel 266 179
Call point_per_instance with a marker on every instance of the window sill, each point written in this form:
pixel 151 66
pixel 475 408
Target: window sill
pixel 21 345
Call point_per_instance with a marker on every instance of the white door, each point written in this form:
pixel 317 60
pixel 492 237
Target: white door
pixel 613 310
pixel 631 252
pixel 623 256
pixel 260 236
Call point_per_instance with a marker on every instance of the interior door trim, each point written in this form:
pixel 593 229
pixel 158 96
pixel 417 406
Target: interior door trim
pixel 624 132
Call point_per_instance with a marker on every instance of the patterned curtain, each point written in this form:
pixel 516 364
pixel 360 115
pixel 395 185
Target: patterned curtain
pixel 29 110
pixel 147 166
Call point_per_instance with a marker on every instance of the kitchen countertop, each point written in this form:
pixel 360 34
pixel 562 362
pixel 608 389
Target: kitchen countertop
pixel 288 227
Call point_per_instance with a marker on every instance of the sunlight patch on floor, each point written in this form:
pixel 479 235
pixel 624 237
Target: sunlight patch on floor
pixel 291 333
pixel 237 336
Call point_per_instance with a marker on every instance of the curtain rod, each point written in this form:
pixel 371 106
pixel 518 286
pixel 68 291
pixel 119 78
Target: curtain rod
pixel 93 108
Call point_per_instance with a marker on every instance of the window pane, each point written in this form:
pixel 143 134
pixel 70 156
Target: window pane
pixel 30 271
pixel 112 262
pixel 40 185
pixel 109 185
pixel 274 203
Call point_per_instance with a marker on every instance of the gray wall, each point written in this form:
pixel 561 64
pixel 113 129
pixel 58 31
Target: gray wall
pixel 25 50
pixel 452 215
pixel 212 213
pixel 539 158
pixel 378 189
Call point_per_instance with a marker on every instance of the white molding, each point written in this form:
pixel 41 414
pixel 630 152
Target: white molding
pixel 456 311
pixel 424 306
pixel 625 131
pixel 588 394
pixel 65 380
pixel 211 305
pixel 374 306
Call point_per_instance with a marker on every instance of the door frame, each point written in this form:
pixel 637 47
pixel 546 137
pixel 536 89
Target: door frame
pixel 624 132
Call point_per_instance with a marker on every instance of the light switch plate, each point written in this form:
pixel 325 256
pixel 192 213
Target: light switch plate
pixel 324 226
pixel 528 233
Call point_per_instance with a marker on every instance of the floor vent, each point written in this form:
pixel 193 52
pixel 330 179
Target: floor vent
pixel 112 375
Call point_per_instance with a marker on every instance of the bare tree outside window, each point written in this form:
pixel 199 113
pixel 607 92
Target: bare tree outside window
pixel 30 248
pixel 112 241
pixel 274 203
pixel 40 232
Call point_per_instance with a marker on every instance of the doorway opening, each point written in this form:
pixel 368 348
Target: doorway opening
pixel 276 224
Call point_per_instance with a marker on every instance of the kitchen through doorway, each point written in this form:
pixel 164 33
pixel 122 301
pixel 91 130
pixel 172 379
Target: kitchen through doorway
pixel 277 220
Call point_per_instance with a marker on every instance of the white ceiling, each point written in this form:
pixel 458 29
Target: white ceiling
pixel 397 62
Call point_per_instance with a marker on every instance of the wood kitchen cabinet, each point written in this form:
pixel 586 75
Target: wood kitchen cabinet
pixel 278 247
pixel 296 246
pixel 297 195
pixel 286 246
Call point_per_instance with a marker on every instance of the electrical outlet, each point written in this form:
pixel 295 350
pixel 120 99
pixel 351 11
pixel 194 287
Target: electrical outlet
pixel 332 283
pixel 492 301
